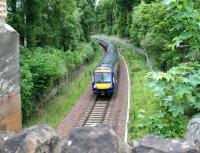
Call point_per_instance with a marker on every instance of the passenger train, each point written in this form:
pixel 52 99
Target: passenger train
pixel 105 75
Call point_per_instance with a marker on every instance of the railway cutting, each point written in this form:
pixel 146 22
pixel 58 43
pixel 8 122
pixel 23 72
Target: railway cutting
pixel 106 102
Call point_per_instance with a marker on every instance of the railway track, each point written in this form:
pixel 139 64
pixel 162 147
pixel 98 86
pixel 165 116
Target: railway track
pixel 91 110
pixel 97 113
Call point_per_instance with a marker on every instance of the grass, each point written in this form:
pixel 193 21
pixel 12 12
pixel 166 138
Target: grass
pixel 146 116
pixel 55 110
pixel 143 102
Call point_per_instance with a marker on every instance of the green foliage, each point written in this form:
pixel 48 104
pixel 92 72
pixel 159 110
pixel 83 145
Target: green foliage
pixel 149 31
pixel 59 24
pixel 42 68
pixel 70 32
pixel 168 32
pixel 178 93
pixel 54 32
pixel 159 123
pixel 143 103
pixel 46 68
pixel 177 88
pixel 187 24
pixel 26 90
pixel 87 17
pixel 144 18
pixel 114 16
pixel 53 112
pixel 105 14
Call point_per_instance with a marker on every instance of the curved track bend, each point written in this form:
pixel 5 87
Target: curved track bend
pixel 91 110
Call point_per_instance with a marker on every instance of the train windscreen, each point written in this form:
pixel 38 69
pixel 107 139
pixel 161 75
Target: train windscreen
pixel 103 77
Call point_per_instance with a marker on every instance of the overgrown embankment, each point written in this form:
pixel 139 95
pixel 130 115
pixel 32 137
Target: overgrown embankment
pixel 168 31
pixel 56 40
pixel 165 111
pixel 43 68
pixel 143 103
pixel 53 111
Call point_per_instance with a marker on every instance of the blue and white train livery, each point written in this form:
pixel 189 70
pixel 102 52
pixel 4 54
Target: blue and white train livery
pixel 105 75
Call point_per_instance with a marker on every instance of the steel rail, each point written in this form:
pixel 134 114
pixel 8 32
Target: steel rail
pixel 97 113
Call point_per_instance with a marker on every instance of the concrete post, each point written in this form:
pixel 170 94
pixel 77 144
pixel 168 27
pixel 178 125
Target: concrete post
pixel 10 100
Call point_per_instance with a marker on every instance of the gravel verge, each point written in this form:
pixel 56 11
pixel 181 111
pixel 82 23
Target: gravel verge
pixel 119 103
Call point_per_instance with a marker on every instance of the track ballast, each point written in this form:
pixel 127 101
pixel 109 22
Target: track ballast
pixel 98 113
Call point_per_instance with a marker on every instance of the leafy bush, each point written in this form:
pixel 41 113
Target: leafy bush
pixel 186 24
pixel 70 33
pixel 45 68
pixel 86 51
pixel 41 68
pixel 178 94
pixel 168 31
pixel 144 19
pixel 26 90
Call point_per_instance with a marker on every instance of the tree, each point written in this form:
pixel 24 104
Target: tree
pixel 105 16
pixel 50 22
pixel 114 15
pixel 87 17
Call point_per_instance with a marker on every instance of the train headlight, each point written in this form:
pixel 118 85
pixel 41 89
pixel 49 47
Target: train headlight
pixel 110 85
pixel 94 86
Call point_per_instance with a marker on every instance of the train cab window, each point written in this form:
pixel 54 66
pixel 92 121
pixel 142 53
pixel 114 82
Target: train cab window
pixel 101 77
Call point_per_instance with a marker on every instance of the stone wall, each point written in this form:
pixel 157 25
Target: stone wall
pixel 99 139
pixel 10 101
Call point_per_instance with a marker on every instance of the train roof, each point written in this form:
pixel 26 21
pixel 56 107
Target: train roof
pixel 111 57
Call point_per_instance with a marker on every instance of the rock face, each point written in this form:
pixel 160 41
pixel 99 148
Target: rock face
pixel 44 139
pixel 155 144
pixel 10 103
pixel 99 139
pixel 9 60
pixel 193 131
pixel 38 139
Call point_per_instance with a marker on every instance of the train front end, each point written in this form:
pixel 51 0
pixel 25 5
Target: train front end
pixel 103 81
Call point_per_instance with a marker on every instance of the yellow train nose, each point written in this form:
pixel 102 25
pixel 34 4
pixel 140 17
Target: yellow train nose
pixel 103 86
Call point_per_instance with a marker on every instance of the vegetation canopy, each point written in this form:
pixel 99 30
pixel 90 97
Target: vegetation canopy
pixel 55 40
pixel 169 32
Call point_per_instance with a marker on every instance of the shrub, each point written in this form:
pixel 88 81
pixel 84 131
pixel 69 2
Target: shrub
pixel 178 94
pixel 42 68
pixel 26 90
pixel 45 68
pixel 168 31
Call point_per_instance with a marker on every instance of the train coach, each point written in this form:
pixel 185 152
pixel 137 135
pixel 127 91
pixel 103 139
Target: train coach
pixel 105 75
